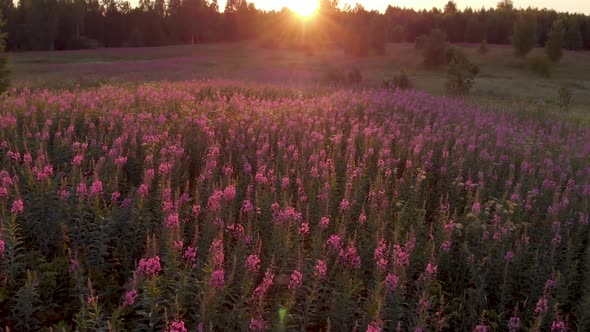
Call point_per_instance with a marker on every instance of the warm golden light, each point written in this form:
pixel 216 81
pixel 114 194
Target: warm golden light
pixel 304 8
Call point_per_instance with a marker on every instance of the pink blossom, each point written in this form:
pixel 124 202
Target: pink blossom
pixel 229 193
pixel 149 266
pixel 304 229
pixel 320 270
pixel 130 297
pixel 256 324
pixel 1 248
pixel 264 286
pixel 217 280
pixel 96 188
pixel 509 256
pixel 253 263
pixel 177 326
pixel 81 190
pixel 380 255
pixel 296 279
pixel 172 220
pixel 362 219
pixel 350 257
pixel 542 306
pixel 344 205
pixel 558 326
pixel 514 324
pixel 190 255
pixel 142 191
pixel 17 207
pixel 374 327
pixel 324 222
pixel 391 281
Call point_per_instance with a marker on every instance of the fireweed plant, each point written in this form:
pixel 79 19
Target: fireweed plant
pixel 228 206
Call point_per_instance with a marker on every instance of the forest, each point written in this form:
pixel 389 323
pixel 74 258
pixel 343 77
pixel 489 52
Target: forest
pixel 86 24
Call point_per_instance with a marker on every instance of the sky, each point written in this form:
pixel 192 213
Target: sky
pixel 579 6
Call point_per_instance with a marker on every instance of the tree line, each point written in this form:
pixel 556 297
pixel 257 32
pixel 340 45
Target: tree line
pixel 76 24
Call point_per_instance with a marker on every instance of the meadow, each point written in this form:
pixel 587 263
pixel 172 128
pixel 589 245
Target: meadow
pixel 168 189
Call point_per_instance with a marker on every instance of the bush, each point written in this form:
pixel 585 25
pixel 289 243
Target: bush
pixel 540 65
pixel 355 76
pixel 399 81
pixel 483 47
pixel 555 41
pixel 420 42
pixel 564 95
pixel 435 49
pixel 333 75
pixel 82 43
pixel 461 74
pixel 524 36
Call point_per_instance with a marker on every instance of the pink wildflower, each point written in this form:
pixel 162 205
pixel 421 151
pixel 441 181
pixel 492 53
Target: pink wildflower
pixel 391 281
pixel 149 266
pixel 217 279
pixel 17 207
pixel 177 326
pixel 96 188
pixel 253 263
pixel 256 324
pixel 296 279
pixel 320 270
pixel 130 297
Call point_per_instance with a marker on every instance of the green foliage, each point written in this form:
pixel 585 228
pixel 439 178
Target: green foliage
pixel 573 34
pixel 555 41
pixel 524 35
pixel 540 65
pixel 420 42
pixel 355 76
pixel 564 97
pixel 82 43
pixel 333 75
pixel 483 47
pixel 25 307
pixel 434 51
pixel 399 81
pixel 4 70
pixel 340 75
pixel 461 74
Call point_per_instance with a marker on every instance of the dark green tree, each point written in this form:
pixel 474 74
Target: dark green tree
pixel 555 41
pixel 4 70
pixel 524 35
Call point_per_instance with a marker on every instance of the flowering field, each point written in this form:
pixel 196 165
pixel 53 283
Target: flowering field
pixel 225 206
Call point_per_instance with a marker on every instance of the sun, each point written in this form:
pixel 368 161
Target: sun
pixel 304 8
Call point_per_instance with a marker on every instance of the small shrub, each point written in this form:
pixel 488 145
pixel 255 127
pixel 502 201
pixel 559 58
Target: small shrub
pixel 461 74
pixel 333 75
pixel 540 65
pixel 435 49
pixel 524 37
pixel 555 41
pixel 564 95
pixel 82 43
pixel 420 42
pixel 355 76
pixel 399 81
pixel 483 47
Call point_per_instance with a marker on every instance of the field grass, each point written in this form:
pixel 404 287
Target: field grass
pixel 503 76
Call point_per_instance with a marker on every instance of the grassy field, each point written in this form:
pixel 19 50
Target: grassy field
pixel 503 77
